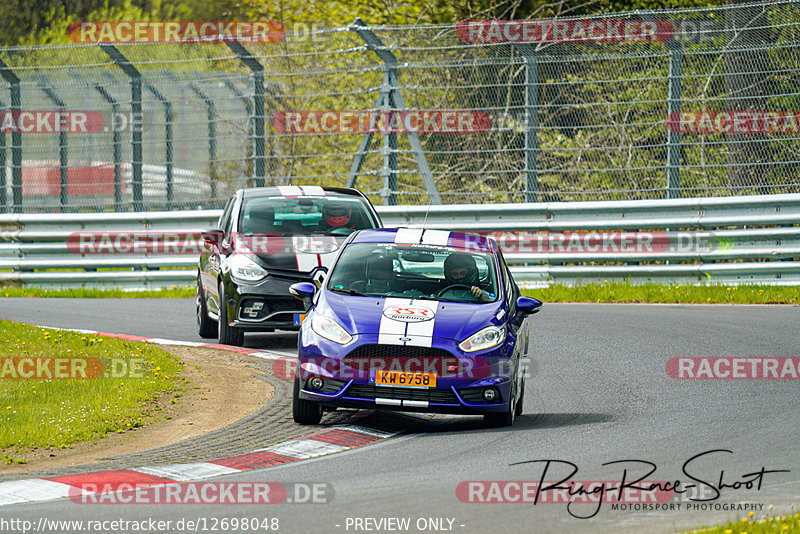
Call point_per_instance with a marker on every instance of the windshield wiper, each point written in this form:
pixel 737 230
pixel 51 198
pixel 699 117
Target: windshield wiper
pixel 351 292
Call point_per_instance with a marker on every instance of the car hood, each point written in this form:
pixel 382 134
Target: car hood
pixel 374 315
pixel 302 253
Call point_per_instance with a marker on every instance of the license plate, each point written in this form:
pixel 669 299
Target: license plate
pixel 298 318
pixel 401 378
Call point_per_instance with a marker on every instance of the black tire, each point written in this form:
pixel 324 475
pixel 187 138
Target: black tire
pixel 206 327
pixel 505 418
pixel 304 412
pixel 520 401
pixel 228 335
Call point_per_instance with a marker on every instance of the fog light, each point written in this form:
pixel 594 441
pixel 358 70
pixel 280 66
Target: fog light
pixel 490 394
pixel 316 383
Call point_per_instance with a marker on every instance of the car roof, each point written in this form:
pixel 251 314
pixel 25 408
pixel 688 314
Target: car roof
pixel 300 191
pixel 414 236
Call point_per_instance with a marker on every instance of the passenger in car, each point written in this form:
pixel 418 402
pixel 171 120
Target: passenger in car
pixel 380 274
pixel 259 221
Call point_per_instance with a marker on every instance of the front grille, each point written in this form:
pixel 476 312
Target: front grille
pixel 284 304
pixel 296 276
pixel 268 306
pixel 369 391
pixel 404 358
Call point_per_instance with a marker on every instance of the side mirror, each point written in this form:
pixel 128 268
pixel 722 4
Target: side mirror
pixel 213 237
pixel 303 291
pixel 528 306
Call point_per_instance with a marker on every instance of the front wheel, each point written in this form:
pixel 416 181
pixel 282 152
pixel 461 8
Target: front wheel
pixel 304 412
pixel 520 400
pixel 228 335
pixel 206 328
pixel 505 418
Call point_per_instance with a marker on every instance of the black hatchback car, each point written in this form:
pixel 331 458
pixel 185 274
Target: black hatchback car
pixel 267 239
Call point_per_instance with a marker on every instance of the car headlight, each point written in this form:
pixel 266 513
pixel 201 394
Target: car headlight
pixel 246 270
pixel 489 337
pixel 329 329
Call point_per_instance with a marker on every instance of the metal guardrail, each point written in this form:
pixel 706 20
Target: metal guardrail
pixel 730 240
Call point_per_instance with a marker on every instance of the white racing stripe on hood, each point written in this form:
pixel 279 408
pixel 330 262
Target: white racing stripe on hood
pixel 305 262
pixel 417 334
pixel 327 259
pixel 421 333
pixel 390 331
pixel 436 237
pixel 408 235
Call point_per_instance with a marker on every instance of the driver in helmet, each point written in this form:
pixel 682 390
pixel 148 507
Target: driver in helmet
pixel 461 269
pixel 337 216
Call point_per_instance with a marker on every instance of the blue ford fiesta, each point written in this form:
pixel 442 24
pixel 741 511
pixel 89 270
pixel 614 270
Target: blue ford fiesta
pixel 414 320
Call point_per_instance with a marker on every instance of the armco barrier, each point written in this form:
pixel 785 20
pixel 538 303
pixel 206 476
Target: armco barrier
pixel 730 240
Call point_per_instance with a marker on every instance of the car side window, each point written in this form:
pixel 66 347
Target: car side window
pixel 512 291
pixel 225 219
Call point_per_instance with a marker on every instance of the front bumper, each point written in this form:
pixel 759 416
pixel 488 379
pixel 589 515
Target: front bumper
pixel 265 305
pixel 461 377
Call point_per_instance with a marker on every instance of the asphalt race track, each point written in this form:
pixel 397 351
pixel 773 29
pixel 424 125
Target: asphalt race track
pixel 598 392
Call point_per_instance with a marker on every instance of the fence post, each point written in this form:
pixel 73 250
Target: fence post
pixel 63 156
pixel 168 117
pixel 259 167
pixel 390 99
pixel 136 116
pixel 16 137
pixel 531 118
pixel 211 114
pixel 248 109
pixel 117 142
pixel 389 150
pixel 673 122
pixel 2 164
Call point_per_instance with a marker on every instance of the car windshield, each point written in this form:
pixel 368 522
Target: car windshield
pixel 304 215
pixel 414 271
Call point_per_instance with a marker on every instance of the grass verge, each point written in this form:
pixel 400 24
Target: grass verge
pixel 772 525
pixel 59 388
pixel 608 292
pixel 173 292
pixel 656 293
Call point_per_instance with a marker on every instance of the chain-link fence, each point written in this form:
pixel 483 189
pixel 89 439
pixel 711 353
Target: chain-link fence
pixel 659 104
